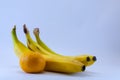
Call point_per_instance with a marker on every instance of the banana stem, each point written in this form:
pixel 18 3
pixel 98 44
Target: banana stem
pixel 30 43
pixel 18 46
pixel 36 33
pixel 41 43
pixel 27 34
pixel 14 36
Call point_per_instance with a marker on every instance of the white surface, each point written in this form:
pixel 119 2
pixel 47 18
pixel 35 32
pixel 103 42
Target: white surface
pixel 101 72
pixel 69 27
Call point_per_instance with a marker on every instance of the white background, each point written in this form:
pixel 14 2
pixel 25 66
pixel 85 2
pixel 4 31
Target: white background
pixel 69 27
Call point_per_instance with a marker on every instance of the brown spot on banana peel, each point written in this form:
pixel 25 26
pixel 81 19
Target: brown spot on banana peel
pixel 30 48
pixel 37 48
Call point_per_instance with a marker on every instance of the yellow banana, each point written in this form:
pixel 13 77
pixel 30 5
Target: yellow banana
pixel 54 62
pixel 19 48
pixel 85 59
pixel 92 60
pixel 30 61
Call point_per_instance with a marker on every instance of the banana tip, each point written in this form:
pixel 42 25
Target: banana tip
pixel 36 30
pixel 25 29
pixel 83 68
pixel 88 58
pixel 94 58
pixel 14 28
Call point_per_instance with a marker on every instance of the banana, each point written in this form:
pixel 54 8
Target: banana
pixel 88 60
pixel 30 62
pixel 54 62
pixel 19 48
pixel 36 33
pixel 93 59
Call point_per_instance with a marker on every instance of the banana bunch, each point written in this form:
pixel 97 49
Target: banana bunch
pixel 54 62
pixel 86 59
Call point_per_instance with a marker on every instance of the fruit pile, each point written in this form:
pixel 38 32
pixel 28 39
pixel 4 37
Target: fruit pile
pixel 37 56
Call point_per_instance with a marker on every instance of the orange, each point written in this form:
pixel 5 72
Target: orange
pixel 32 63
